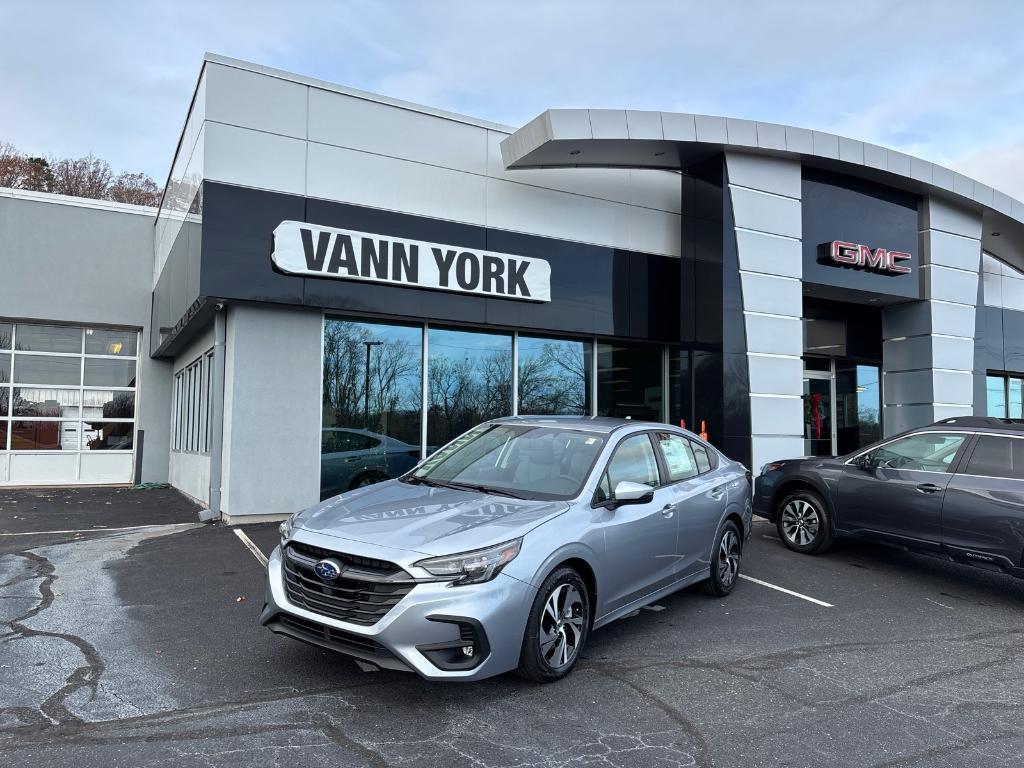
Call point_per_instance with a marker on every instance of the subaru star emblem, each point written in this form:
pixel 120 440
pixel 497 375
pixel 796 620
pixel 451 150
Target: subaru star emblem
pixel 328 570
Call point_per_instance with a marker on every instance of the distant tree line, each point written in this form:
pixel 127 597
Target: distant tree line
pixel 87 176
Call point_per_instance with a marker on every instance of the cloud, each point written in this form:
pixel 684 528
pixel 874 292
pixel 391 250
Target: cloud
pixel 937 78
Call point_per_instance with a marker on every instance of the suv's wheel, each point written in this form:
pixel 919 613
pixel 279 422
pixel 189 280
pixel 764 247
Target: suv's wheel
pixel 804 522
pixel 557 628
pixel 725 561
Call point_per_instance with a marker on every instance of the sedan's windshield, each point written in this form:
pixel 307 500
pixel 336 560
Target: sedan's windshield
pixel 516 460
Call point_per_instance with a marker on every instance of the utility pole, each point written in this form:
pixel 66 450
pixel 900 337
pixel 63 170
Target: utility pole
pixel 366 384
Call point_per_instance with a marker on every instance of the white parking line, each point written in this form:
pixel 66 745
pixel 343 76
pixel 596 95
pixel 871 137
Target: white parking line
pixel 251 547
pixel 101 530
pixel 822 603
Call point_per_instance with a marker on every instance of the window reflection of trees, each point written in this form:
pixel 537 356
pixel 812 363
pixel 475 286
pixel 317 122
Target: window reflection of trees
pixel 394 380
pixel 464 392
pixel 553 381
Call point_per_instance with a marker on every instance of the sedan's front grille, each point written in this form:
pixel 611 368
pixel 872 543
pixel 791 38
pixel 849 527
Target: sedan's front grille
pixel 364 593
pixel 357 645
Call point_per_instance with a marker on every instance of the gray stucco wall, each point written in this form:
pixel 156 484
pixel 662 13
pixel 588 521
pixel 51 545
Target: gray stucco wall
pixel 272 410
pixel 73 261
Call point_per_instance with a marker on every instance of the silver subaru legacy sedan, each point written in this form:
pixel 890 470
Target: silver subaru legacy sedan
pixel 508 546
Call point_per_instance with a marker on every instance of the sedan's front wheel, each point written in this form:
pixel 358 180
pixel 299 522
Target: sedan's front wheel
pixel 557 628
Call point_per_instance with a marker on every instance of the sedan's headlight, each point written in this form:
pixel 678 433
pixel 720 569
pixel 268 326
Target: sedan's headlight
pixel 286 528
pixel 472 567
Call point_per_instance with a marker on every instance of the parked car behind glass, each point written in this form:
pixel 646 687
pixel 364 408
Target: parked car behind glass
pixel 507 547
pixel 352 458
pixel 953 489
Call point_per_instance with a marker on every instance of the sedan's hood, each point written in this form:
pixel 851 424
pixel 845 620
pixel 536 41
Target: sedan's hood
pixel 418 518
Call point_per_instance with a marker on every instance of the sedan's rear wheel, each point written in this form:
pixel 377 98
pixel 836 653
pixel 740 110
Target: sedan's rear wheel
pixel 557 628
pixel 725 561
pixel 804 523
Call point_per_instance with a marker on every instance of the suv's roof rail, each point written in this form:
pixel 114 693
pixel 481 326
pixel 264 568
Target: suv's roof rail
pixel 990 422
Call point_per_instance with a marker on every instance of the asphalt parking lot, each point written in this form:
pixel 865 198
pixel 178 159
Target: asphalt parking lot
pixel 137 644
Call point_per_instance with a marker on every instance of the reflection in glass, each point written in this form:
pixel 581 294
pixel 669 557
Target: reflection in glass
pixel 99 341
pixel 49 338
pixel 995 387
pixel 554 377
pixel 680 388
pixel 40 369
pixel 629 381
pixel 109 373
pixel 105 404
pixel 372 395
pixel 817 399
pixel 5 340
pixel 3 435
pixel 107 436
pixel 44 436
pixel 858 406
pixel 34 402
pixel 470 381
pixel 1016 404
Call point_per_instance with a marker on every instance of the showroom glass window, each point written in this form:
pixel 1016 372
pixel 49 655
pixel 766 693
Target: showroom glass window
pixel 554 376
pixel 1005 396
pixel 469 380
pixel 629 381
pixel 67 388
pixel 372 403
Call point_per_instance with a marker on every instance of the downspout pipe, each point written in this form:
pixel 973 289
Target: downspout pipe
pixel 217 414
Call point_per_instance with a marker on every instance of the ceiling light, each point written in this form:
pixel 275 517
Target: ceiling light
pixel 996 234
pixel 574 152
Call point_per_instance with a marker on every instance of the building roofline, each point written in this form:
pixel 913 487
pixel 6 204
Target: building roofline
pixel 563 138
pixel 80 202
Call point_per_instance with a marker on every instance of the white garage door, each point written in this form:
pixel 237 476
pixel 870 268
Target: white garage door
pixel 67 404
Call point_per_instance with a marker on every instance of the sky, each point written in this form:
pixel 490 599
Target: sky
pixel 939 79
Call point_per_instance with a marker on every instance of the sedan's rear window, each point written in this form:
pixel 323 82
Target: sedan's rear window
pixel 997 457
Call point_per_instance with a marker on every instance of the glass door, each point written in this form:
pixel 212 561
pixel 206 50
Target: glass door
pixel 819 413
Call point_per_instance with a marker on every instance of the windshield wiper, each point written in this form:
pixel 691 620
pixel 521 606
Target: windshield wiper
pixel 416 480
pixel 488 489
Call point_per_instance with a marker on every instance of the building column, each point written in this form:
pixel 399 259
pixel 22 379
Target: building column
pixel 928 350
pixel 765 193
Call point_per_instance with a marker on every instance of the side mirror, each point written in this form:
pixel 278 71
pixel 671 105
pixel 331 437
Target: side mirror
pixel 864 462
pixel 632 493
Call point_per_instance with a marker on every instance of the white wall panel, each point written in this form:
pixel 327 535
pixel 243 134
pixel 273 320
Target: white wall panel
pixel 766 213
pixel 775 375
pixel 251 100
pixel 948 250
pixel 945 284
pixel 104 468
pixel 5 466
pixel 772 295
pixel 362 178
pixel 775 415
pixel 771 254
pixel 780 176
pixel 54 468
pixel 774 335
pixel 523 208
pixel 655 231
pixel 190 473
pixel 354 123
pixel 773 447
pixel 255 159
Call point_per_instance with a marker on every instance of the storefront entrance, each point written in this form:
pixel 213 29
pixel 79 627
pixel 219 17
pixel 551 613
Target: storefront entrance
pixel 842 405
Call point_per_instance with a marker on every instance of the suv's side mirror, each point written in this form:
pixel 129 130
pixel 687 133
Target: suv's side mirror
pixel 627 492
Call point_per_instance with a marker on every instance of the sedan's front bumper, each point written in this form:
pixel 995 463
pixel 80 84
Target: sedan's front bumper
pixel 424 633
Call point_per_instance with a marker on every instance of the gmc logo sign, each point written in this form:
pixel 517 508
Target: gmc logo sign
pixel 841 253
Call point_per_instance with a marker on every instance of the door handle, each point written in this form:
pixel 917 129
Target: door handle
pixel 929 488
pixel 668 510
pixel 717 493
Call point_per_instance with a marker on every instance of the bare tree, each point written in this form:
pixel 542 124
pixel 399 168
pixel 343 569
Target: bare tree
pixel 134 188
pixel 12 166
pixel 85 177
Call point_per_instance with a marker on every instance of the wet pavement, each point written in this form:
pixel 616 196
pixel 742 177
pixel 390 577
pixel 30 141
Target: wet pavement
pixel 141 647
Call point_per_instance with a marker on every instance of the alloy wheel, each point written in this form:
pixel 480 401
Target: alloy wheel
pixel 561 626
pixel 729 558
pixel 800 522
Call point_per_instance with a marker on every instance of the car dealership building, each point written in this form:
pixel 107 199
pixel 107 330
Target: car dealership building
pixel 336 283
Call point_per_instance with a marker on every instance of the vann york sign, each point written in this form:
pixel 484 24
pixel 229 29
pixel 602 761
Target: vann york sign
pixel 306 249
pixel 842 254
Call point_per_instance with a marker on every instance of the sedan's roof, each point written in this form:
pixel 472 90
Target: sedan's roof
pixel 592 423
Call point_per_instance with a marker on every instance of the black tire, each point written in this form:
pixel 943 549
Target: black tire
pixel 804 522
pixel 726 556
pixel 540 659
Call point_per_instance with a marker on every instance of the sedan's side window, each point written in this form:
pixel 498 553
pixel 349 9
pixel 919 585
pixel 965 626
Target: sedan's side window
pixel 701 454
pixel 997 457
pixel 633 461
pixel 679 458
pixel 929 451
